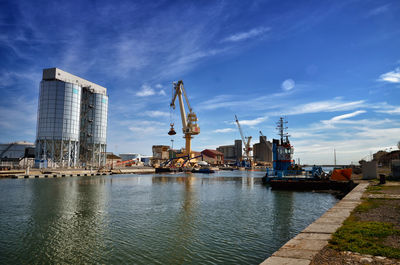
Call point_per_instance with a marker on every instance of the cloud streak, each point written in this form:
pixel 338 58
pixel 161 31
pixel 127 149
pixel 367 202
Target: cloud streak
pixel 225 130
pixel 325 106
pixel 347 116
pixel 246 35
pixel 253 122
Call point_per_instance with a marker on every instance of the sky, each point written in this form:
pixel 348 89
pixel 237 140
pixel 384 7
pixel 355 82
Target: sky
pixel 331 68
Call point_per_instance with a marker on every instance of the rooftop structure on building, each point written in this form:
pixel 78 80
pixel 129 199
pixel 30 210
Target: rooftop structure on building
pixel 58 74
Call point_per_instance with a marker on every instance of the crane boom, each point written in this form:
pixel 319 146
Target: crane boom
pixel 247 147
pixel 240 130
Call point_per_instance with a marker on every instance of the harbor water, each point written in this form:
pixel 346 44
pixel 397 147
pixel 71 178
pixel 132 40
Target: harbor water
pixel 228 217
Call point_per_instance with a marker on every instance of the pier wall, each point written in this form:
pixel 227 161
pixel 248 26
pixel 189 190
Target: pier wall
pixel 302 248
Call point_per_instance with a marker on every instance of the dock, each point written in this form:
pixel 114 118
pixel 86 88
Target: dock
pixel 21 174
pixel 302 248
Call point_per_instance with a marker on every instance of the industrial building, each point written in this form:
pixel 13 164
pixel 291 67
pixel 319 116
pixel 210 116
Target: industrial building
pixel 232 152
pixel 262 151
pixel 161 153
pixel 72 121
pixel 213 157
pixel 16 154
pixel 129 156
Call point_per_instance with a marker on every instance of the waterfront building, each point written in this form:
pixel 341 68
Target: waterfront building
pixel 262 151
pixel 213 157
pixel 16 154
pixel 129 156
pixel 232 152
pixel 161 153
pixel 72 121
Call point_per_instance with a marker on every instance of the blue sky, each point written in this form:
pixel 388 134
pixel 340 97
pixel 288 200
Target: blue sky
pixel 332 68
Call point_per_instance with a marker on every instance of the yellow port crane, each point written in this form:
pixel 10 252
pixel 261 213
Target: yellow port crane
pixel 189 122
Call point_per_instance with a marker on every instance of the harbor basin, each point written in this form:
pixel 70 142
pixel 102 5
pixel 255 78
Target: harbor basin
pixel 228 217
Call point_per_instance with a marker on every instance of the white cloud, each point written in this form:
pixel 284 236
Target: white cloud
pixel 348 115
pixel 391 77
pixel 143 129
pixel 324 106
pixel 368 136
pixel 145 91
pixel 252 122
pixel 156 113
pixel 225 130
pixel 288 84
pixel 159 86
pixel 246 35
pixel 341 118
pixel 394 110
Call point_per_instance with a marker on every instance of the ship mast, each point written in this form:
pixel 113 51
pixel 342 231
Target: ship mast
pixel 281 127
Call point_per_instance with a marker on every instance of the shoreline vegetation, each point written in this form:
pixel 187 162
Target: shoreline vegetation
pixel 371 234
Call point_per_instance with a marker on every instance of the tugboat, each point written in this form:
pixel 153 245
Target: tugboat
pixel 286 175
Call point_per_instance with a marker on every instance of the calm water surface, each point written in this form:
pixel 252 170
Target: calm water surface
pixel 222 218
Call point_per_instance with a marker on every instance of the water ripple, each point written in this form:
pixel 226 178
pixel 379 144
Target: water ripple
pixel 227 218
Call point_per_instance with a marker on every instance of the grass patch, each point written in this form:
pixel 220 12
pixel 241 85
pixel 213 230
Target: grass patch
pixel 365 238
pixel 374 188
pixel 367 205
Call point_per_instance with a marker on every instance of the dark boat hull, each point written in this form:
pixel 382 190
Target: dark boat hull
pixel 204 171
pixel 167 170
pixel 307 185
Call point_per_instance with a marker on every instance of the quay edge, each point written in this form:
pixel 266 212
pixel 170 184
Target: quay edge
pixel 301 249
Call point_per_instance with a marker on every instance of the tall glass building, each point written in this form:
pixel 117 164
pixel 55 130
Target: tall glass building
pixel 72 121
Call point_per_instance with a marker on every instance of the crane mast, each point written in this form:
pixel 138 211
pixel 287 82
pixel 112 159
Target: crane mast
pixel 247 147
pixel 189 122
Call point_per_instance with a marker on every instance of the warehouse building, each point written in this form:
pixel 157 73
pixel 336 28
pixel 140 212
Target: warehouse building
pixel 16 155
pixel 231 153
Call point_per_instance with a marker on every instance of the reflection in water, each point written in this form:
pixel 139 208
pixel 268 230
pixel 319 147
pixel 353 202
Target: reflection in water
pixel 248 182
pixel 222 218
pixel 282 215
pixel 185 223
pixel 66 220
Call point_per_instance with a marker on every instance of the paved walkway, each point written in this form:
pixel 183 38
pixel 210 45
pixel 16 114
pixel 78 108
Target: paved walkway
pixel 301 249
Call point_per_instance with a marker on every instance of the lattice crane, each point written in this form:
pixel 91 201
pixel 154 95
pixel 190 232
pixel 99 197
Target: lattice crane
pixel 246 141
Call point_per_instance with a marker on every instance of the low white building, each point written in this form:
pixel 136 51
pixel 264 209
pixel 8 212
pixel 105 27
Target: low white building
pixel 129 156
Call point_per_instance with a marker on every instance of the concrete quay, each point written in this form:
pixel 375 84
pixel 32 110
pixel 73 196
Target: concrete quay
pixel 76 173
pixel 302 248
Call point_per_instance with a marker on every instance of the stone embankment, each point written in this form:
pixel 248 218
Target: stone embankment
pixel 73 173
pixel 301 249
